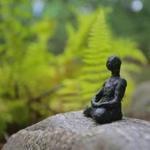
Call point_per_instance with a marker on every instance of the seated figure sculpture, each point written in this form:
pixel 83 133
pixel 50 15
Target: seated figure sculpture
pixel 106 104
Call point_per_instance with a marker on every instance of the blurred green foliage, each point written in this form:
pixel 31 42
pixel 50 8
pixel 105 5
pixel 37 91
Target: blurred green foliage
pixel 124 20
pixel 24 62
pixel 96 45
pixel 35 82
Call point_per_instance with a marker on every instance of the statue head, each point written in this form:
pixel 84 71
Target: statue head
pixel 113 64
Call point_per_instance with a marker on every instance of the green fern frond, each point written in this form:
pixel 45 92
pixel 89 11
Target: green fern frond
pixel 77 38
pixel 93 72
pixel 128 48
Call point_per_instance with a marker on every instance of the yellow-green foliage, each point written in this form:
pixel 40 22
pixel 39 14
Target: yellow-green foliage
pixel 78 91
pixel 94 72
pixel 25 69
pixel 35 83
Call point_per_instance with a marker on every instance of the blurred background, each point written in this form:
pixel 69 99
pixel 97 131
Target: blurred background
pixel 53 53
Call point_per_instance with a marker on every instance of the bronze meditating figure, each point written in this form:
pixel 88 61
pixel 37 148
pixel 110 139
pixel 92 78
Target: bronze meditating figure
pixel 106 104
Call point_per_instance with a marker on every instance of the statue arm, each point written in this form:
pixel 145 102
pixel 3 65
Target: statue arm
pixel 119 93
pixel 97 97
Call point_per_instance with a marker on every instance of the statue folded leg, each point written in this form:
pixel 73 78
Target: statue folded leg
pixel 100 115
pixel 88 112
pixel 103 115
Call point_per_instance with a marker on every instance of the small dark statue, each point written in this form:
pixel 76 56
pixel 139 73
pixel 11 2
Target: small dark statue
pixel 106 104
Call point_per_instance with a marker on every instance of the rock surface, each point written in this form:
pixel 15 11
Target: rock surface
pixel 73 131
pixel 140 106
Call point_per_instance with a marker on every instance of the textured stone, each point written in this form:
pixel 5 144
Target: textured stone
pixel 73 131
pixel 140 106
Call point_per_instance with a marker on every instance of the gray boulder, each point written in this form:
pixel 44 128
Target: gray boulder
pixel 73 131
pixel 140 106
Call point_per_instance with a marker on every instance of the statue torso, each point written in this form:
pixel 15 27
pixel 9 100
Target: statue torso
pixel 109 89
